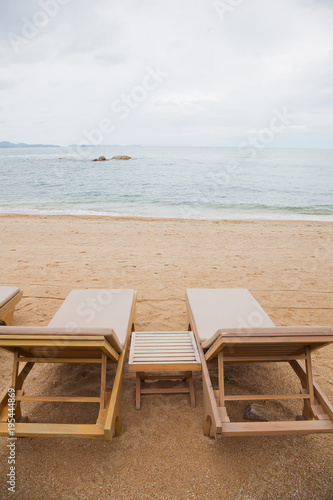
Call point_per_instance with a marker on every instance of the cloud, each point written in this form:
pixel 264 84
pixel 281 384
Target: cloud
pixel 224 75
pixel 7 83
pixel 106 58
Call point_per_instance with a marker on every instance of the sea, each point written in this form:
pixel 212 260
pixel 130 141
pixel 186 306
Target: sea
pixel 176 182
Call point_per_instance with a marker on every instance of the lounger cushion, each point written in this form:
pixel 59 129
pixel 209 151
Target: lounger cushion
pixel 7 293
pixel 213 309
pixel 101 308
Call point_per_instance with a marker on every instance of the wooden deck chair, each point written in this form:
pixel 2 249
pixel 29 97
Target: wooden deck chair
pixel 230 325
pixel 91 326
pixel 10 296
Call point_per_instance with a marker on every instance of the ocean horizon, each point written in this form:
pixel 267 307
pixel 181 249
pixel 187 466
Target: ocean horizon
pixel 169 182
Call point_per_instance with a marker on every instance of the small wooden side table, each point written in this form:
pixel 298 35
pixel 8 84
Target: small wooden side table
pixel 164 352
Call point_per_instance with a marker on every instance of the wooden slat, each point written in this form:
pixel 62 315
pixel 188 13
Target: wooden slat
pixel 59 360
pixel 72 347
pixel 260 359
pixel 261 397
pixel 252 344
pixel 159 350
pixel 162 356
pixel 175 390
pixel 164 366
pixel 181 376
pixel 164 361
pixel 176 338
pixel 54 430
pixel 63 399
pixel 162 342
pixel 163 348
pixel 277 331
pixel 276 428
pixel 50 338
pixel 154 334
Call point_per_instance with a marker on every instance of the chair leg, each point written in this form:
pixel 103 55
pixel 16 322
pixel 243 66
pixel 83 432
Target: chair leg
pixel 191 388
pixel 15 384
pixel 103 380
pixel 18 377
pixel 8 319
pixel 15 369
pixel 221 378
pixel 309 377
pixel 138 391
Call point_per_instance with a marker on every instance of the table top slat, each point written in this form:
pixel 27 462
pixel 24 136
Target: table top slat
pixel 160 348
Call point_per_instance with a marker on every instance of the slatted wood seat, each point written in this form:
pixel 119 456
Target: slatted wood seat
pixel 10 296
pixel 164 352
pixel 91 326
pixel 231 326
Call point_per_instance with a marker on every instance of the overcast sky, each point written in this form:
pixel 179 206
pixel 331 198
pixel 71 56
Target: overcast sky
pixel 166 72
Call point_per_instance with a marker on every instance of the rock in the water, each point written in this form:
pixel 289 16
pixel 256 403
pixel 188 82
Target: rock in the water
pixel 101 158
pixel 123 157
pixel 256 413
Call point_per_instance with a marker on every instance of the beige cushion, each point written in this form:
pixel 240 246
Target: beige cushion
pixel 101 308
pixel 7 293
pixel 48 331
pixel 224 308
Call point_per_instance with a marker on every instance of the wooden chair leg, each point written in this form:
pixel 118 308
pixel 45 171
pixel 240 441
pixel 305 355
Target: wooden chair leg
pixel 212 423
pixel 112 423
pixel 138 391
pixel 8 319
pixel 308 387
pixel 15 384
pixel 15 369
pixel 314 409
pixel 104 397
pixel 221 378
pixel 103 380
pixel 309 376
pixel 192 393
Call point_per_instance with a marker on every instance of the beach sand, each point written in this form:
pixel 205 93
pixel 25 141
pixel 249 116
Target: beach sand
pixel 162 453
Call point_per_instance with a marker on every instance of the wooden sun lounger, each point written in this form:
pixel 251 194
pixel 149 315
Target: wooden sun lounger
pixel 230 325
pixel 10 296
pixel 91 326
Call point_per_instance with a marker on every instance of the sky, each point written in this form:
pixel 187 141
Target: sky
pixel 167 72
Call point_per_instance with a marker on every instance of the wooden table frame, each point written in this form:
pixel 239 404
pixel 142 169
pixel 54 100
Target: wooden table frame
pixel 164 352
pixel 317 414
pixel 70 349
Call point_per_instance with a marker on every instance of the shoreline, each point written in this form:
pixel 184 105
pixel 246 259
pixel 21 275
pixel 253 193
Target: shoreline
pixel 161 219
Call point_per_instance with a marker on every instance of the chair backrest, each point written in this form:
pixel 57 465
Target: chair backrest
pixel 213 309
pixel 97 308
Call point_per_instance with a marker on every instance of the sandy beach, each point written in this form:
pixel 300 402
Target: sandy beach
pixel 162 453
